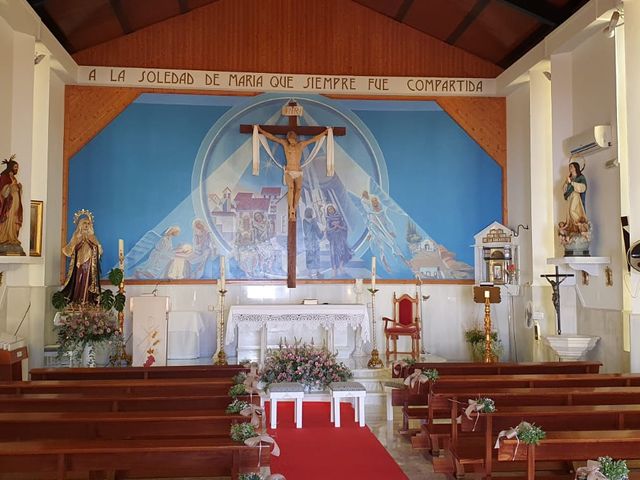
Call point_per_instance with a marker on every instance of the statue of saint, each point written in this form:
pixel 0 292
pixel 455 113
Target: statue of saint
pixel 293 169
pixel 10 208
pixel 82 284
pixel 575 231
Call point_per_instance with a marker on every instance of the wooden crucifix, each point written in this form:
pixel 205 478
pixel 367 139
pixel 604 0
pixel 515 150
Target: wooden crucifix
pixel 293 149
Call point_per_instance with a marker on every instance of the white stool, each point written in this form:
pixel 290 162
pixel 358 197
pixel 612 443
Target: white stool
pixel 341 390
pixel 286 391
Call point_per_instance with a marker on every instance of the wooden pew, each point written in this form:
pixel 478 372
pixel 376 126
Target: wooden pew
pixel 116 425
pixel 435 436
pixel 415 402
pixel 476 449
pixel 55 402
pixel 150 387
pixel 506 368
pixel 140 373
pixel 151 458
pixel 573 446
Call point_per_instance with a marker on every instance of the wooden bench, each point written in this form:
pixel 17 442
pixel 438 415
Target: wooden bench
pixel 141 373
pixel 402 397
pixel 55 402
pixel 116 425
pixel 573 446
pixel 506 368
pixel 129 387
pixel 442 405
pixel 476 448
pixel 152 458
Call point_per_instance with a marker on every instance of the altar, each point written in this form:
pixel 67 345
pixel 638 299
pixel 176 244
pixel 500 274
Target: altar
pixel 342 328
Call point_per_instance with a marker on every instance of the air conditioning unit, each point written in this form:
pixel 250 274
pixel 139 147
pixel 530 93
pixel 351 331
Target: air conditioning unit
pixel 591 141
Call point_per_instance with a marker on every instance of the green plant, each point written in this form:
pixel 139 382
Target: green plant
pixel 251 476
pixel 239 378
pixel 476 339
pixel 237 406
pixel 530 433
pixel 485 405
pixel 241 431
pixel 613 469
pixel 431 374
pixel 237 390
pixel 409 361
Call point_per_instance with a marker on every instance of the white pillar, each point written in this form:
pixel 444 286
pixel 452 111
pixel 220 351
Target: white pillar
pixel 630 164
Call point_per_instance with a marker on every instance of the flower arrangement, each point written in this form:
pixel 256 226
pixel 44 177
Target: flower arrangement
pixel 237 406
pixel 237 390
pixel 485 405
pixel 251 476
pixel 239 378
pixel 312 366
pixel 77 328
pixel 530 433
pixel 431 374
pixel 613 469
pixel 241 431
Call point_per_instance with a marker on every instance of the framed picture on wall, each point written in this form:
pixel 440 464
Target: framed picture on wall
pixel 35 228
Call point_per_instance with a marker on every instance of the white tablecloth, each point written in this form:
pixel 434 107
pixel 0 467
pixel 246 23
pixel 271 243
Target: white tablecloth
pixel 191 335
pixel 255 317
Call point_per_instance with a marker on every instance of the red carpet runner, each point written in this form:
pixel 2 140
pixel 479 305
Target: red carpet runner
pixel 320 451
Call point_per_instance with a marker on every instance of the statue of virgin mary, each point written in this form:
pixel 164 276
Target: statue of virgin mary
pixel 575 231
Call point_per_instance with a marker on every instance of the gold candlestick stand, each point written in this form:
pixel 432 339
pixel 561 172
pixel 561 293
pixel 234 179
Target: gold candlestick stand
pixel 374 361
pixel 121 356
pixel 221 357
pixel 487 295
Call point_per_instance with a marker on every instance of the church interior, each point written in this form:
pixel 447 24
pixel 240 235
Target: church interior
pixel 393 232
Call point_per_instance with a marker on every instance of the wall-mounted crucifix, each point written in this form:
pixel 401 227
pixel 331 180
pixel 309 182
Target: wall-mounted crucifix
pixel 293 150
pixel 555 280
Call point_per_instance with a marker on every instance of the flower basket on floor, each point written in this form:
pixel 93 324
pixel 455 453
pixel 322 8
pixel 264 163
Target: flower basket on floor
pixel 476 341
pixel 314 367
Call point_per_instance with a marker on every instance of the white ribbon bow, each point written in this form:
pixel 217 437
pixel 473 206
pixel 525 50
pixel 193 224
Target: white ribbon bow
pixel 398 366
pixel 263 437
pixel 275 476
pixel 591 471
pixel 473 407
pixel 256 414
pixel 415 377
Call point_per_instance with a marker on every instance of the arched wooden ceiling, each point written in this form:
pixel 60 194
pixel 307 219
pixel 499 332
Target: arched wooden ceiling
pixel 499 31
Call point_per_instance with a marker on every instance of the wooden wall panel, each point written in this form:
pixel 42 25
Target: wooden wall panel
pixel 290 36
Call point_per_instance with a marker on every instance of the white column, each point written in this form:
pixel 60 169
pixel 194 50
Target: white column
pixel 630 163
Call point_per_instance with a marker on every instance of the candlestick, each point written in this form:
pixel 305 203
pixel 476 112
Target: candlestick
pixel 488 350
pixel 487 294
pixel 374 361
pixel 220 358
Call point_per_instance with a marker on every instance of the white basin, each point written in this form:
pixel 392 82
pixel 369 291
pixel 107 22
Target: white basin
pixel 571 347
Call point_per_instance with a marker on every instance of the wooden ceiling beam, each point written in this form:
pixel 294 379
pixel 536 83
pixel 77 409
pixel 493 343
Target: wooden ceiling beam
pixel 116 6
pixel 467 21
pixel 540 11
pixel 403 10
pixel 39 7
pixel 184 6
pixel 526 45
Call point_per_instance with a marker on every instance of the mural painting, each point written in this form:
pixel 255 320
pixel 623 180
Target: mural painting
pixel 410 187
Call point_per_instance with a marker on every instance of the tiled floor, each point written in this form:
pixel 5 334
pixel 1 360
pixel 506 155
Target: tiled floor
pixel 413 462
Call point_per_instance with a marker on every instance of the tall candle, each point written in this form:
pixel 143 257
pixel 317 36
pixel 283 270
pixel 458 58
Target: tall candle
pixel 222 279
pixel 121 253
pixel 373 273
pixel 486 294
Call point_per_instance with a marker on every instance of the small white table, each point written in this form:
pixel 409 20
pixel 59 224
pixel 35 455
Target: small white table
pixel 340 390
pixel 285 391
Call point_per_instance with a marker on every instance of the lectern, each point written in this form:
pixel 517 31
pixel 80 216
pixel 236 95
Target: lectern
pixel 487 294
pixel 149 331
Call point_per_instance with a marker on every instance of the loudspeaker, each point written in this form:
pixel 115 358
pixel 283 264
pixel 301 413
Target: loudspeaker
pixel 633 256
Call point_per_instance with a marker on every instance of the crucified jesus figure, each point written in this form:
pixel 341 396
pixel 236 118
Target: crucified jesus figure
pixel 293 170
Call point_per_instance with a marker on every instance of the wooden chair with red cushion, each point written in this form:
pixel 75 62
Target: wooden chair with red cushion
pixel 406 323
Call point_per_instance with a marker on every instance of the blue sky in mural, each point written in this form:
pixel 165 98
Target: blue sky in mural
pixel 172 176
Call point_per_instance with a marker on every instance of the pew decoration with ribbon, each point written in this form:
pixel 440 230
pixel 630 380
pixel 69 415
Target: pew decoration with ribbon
pixel 476 407
pixel 525 432
pixel 401 366
pixel 419 377
pixel 236 406
pixel 257 476
pixel 606 468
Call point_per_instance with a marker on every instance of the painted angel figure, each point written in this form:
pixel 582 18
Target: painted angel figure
pixel 381 235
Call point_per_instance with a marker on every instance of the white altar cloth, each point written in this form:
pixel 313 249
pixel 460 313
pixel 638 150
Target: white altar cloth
pixel 191 335
pixel 255 317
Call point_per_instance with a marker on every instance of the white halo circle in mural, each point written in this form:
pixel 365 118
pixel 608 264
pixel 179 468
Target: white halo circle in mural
pixel 248 214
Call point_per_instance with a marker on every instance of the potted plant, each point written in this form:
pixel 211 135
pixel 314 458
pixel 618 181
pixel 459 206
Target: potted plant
pixel 476 340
